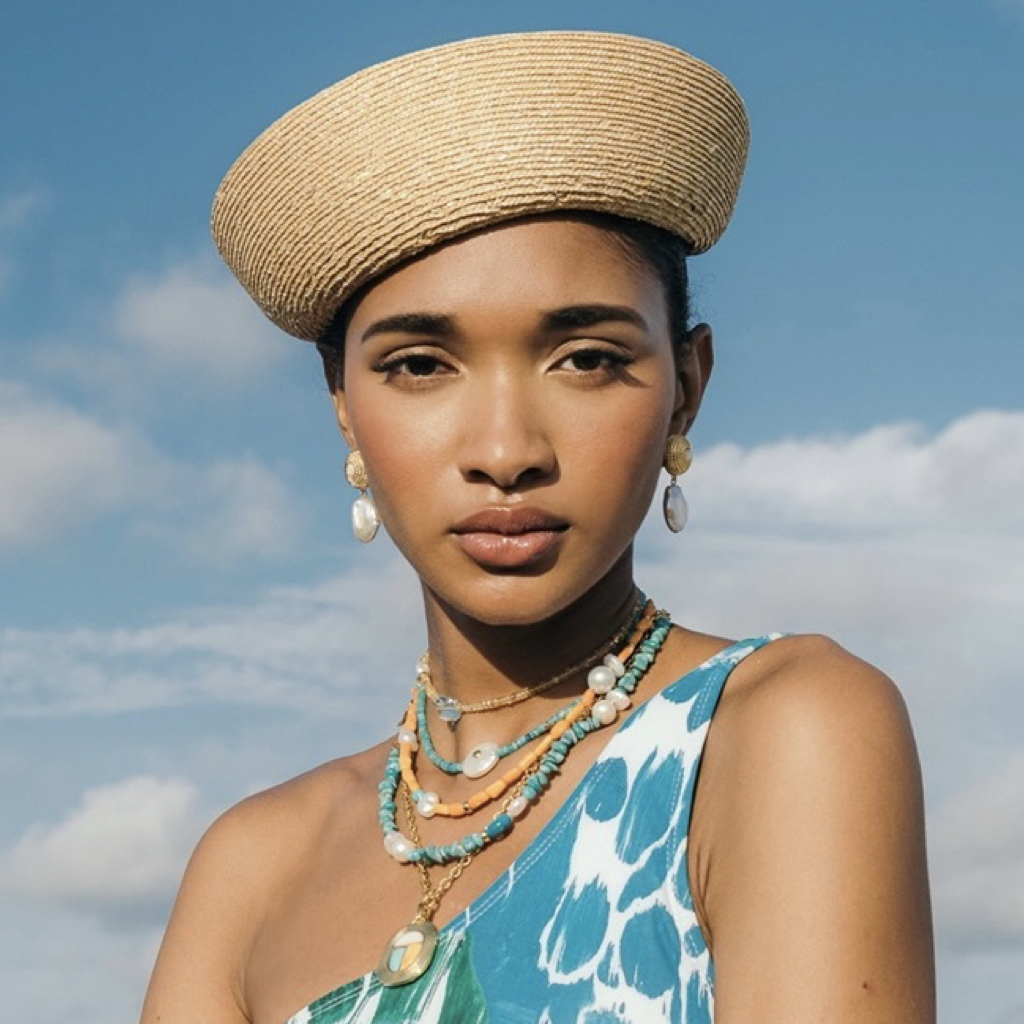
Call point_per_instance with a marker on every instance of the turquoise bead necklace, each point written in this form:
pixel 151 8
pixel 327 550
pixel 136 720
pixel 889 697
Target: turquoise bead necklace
pixel 451 710
pixel 532 786
pixel 485 756
pixel 408 954
pixel 502 751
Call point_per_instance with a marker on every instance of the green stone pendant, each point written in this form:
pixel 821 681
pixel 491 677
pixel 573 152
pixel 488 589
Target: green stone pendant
pixel 407 956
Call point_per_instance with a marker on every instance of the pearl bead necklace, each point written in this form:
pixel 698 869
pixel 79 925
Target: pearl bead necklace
pixel 450 709
pixel 412 947
pixel 528 780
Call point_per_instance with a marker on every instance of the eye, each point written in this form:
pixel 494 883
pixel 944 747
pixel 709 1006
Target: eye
pixel 594 360
pixel 412 366
pixel 417 366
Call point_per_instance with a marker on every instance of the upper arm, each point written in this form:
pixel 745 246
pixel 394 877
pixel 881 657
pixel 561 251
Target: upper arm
pixel 814 879
pixel 200 968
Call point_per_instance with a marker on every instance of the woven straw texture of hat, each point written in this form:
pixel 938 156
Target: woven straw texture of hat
pixel 421 149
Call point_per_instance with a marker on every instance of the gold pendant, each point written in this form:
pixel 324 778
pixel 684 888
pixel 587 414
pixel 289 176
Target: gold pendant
pixel 407 956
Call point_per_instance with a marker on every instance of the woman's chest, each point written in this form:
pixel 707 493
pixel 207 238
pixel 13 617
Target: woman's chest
pixel 344 898
pixel 588 909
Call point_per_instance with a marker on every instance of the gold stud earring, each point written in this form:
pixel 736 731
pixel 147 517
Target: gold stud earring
pixel 678 459
pixel 365 521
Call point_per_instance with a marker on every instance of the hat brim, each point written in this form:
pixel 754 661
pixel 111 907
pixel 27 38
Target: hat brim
pixel 413 152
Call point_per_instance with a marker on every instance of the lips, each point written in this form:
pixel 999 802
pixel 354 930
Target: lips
pixel 510 538
pixel 510 521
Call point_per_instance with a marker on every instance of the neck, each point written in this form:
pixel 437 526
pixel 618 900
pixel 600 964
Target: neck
pixel 472 660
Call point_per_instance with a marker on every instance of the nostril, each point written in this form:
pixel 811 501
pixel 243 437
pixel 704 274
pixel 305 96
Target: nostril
pixel 508 464
pixel 507 478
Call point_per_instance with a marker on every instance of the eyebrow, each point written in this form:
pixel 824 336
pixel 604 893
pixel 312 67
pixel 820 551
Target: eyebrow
pixel 567 318
pixel 590 315
pixel 436 324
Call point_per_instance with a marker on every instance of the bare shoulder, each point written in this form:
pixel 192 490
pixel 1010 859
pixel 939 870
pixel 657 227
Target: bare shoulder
pixel 802 717
pixel 298 808
pixel 808 842
pixel 810 688
pixel 262 837
pixel 247 856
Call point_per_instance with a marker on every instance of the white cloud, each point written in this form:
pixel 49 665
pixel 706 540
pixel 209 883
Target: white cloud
pixel 251 510
pixel 71 967
pixel 166 341
pixel 58 466
pixel 195 319
pixel 316 650
pixel 232 509
pixel 877 537
pixel 119 854
pixel 191 327
pixel 893 479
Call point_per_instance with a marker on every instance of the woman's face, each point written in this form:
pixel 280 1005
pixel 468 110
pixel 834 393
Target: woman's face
pixel 511 394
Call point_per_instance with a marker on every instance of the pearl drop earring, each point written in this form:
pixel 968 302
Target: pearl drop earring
pixel 678 459
pixel 365 521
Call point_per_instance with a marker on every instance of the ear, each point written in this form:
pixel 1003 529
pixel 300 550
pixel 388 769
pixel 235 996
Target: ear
pixel 334 375
pixel 693 367
pixel 341 414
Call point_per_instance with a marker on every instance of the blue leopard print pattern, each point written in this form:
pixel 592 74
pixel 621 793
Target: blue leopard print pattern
pixel 594 922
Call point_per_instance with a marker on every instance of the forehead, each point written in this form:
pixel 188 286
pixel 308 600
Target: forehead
pixel 539 264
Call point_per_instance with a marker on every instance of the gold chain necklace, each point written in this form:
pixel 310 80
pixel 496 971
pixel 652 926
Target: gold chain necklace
pixel 410 951
pixel 450 709
pixel 432 894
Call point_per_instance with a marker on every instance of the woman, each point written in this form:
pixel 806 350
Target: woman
pixel 487 241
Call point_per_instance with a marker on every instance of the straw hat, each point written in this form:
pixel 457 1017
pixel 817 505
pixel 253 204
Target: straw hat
pixel 418 150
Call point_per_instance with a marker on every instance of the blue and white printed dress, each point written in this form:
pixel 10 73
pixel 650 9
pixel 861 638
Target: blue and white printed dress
pixel 594 922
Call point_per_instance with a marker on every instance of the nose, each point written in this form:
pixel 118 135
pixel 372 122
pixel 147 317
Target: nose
pixel 506 441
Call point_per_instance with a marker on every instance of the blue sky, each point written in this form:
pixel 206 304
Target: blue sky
pixel 184 618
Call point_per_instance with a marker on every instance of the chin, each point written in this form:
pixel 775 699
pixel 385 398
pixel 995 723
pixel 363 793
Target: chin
pixel 523 609
pixel 526 598
pixel 509 599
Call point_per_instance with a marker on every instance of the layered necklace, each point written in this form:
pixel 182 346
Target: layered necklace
pixel 613 673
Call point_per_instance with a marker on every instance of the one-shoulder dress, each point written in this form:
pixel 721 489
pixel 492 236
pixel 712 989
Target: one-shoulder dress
pixel 594 922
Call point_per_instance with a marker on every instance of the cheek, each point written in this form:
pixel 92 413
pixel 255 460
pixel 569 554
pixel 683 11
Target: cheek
pixel 408 457
pixel 390 442
pixel 630 427
pixel 623 453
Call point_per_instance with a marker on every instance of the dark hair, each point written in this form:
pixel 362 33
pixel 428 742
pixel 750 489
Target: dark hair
pixel 653 247
pixel 659 250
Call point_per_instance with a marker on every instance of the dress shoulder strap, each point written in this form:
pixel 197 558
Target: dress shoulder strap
pixel 702 686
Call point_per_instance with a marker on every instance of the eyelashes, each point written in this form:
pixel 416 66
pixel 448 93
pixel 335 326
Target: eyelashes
pixel 605 361
pixel 415 366
pixel 590 363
